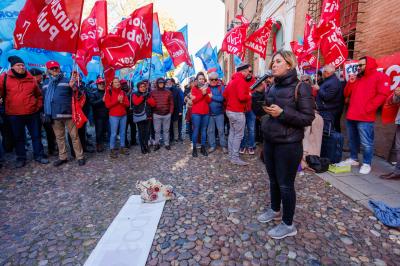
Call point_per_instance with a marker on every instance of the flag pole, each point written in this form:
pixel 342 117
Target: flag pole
pixel 316 71
pixel 151 60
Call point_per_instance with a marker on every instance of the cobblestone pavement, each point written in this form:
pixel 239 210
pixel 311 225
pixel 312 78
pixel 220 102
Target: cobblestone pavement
pixel 55 216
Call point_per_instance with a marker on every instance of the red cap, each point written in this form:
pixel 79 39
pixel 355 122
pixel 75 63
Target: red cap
pixel 51 64
pixel 123 81
pixel 100 80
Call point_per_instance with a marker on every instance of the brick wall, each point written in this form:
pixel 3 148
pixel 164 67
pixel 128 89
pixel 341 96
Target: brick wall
pixel 380 28
pixel 300 20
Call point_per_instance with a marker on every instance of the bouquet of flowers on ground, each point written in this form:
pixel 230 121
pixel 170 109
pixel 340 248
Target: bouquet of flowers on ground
pixel 153 190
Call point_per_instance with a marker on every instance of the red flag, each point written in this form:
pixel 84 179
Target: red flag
pixel 176 47
pixel 258 41
pixel 333 47
pixel 117 52
pixel 305 60
pixel 330 13
pixel 234 39
pixel 109 74
pixel 138 29
pixel 93 28
pixel 242 19
pixel 309 38
pixel 49 24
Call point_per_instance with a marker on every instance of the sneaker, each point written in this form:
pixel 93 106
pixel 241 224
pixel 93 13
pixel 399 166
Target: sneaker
pixel 365 169
pixel 194 152
pixel 113 153
pixel 211 150
pixel 124 150
pixel 251 151
pixel 282 230
pixel 242 150
pixel 269 216
pixel 239 162
pixel 351 162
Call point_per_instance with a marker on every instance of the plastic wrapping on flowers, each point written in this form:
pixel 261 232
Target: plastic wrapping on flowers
pixel 152 191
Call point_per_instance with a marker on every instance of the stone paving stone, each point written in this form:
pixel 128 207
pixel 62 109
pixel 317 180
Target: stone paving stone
pixel 56 216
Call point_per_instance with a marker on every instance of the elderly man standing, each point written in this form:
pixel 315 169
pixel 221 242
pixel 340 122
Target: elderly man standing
pixel 58 107
pixel 238 96
pixel 330 98
pixel 23 99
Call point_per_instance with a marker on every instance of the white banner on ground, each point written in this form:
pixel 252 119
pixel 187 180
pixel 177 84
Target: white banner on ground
pixel 128 239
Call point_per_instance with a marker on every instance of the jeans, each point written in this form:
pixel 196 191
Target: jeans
pixel 397 146
pixel 164 121
pixel 237 122
pixel 249 137
pixel 200 123
pixel 282 161
pixel 33 123
pixel 101 128
pixel 361 133
pixel 117 123
pixel 144 133
pixel 216 121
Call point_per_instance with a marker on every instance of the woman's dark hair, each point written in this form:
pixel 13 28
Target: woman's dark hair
pixel 200 74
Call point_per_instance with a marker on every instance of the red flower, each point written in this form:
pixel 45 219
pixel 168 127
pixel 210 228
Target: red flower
pixel 156 189
pixel 153 196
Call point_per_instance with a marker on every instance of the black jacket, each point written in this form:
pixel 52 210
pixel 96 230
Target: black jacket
pixel 257 101
pixel 289 126
pixel 178 102
pixel 96 101
pixel 330 95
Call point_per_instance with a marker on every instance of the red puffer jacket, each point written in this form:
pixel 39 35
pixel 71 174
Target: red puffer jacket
pixel 200 101
pixel 23 96
pixel 237 94
pixel 367 93
pixel 111 101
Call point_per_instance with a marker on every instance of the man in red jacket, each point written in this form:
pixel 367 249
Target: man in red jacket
pixel 23 99
pixel 238 96
pixel 367 93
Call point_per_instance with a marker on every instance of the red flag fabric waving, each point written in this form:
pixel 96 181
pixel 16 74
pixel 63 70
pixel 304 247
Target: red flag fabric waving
pixel 305 60
pixel 49 24
pixel 330 13
pixel 234 40
pixel 309 38
pixel 176 47
pixel 258 41
pixel 93 28
pixel 333 47
pixel 242 19
pixel 138 29
pixel 117 52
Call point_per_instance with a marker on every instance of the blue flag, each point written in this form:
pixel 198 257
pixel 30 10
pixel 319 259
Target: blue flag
pixel 184 31
pixel 186 71
pixel 206 56
pixel 157 45
pixel 215 59
pixel 168 64
pixel 9 11
pixel 237 60
pixel 142 70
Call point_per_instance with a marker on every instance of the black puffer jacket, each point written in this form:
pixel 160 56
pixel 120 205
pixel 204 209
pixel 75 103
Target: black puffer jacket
pixel 289 126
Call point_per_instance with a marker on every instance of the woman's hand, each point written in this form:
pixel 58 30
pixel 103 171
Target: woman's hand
pixel 273 110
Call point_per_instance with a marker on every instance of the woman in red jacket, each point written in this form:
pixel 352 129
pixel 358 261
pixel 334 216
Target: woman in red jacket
pixel 142 104
pixel 201 97
pixel 117 102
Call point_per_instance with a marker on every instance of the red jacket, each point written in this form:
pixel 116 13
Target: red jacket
pixel 200 102
pixel 367 93
pixel 237 94
pixel 111 101
pixel 23 96
pixel 137 100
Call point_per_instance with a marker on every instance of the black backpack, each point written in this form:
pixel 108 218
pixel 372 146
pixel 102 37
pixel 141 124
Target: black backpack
pixel 317 163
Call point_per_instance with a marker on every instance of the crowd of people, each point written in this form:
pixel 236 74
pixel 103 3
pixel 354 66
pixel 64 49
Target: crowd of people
pixel 275 109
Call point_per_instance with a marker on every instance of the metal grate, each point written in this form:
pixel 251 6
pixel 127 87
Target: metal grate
pixel 348 20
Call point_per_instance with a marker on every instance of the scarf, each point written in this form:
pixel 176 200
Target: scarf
pixel 49 94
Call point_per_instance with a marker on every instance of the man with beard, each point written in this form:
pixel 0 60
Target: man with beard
pixel 366 93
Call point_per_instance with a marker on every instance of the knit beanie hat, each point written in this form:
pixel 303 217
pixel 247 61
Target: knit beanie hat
pixel 15 60
pixel 242 66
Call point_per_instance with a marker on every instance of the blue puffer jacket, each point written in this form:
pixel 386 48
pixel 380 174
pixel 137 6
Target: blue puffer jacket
pixel 330 95
pixel 217 100
pixel 61 106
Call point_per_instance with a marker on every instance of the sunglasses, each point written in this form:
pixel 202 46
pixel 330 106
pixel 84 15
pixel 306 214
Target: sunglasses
pixel 54 68
pixel 360 65
pixel 306 80
pixel 213 79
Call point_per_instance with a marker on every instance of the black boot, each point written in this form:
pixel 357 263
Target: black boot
pixel 194 152
pixel 143 149
pixel 157 147
pixel 203 150
pixel 146 147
